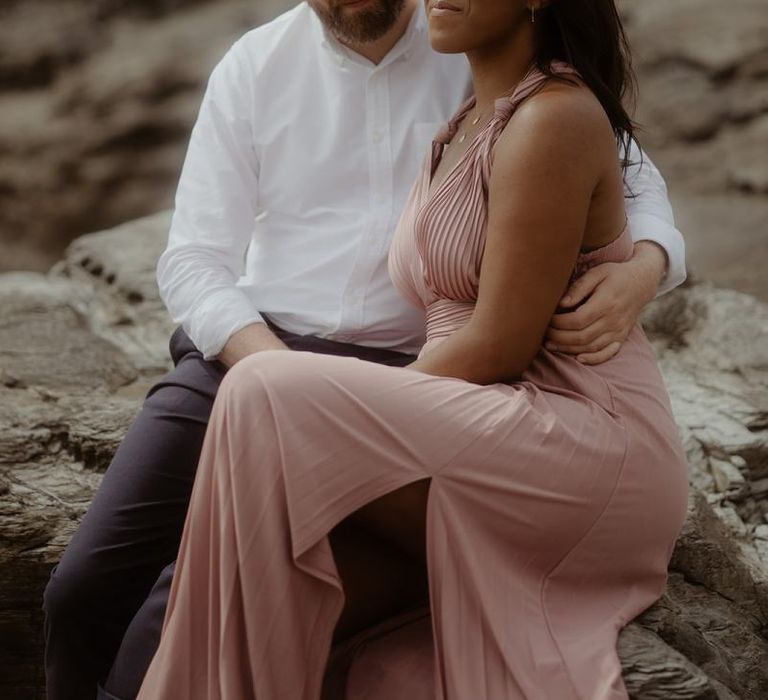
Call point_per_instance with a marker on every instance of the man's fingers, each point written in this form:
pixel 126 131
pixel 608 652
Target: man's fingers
pixel 559 339
pixel 595 358
pixel 600 342
pixel 577 320
pixel 582 287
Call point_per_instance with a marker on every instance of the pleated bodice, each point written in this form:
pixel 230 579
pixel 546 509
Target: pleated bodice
pixel 437 249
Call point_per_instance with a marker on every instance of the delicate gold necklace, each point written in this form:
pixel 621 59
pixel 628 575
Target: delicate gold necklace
pixel 473 122
pixel 479 115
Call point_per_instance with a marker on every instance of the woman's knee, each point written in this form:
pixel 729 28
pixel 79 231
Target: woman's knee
pixel 271 369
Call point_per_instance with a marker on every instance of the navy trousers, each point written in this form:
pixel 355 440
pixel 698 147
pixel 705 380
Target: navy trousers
pixel 105 601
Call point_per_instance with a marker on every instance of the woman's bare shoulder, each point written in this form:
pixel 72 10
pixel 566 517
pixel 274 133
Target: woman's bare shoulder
pixel 561 123
pixel 567 103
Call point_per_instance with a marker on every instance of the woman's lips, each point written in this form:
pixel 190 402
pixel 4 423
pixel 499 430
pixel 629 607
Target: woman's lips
pixel 442 8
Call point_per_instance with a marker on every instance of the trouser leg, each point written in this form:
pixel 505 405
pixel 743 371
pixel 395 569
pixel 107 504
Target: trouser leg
pixel 132 528
pixel 139 642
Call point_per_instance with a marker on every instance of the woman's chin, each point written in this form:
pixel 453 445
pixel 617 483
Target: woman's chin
pixel 446 42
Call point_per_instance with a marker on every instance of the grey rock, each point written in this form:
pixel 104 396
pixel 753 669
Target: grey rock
pixel 726 644
pixel 114 275
pixel 43 341
pixel 653 670
pixel 709 555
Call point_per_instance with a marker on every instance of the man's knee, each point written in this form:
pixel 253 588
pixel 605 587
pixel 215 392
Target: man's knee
pixel 188 389
pixel 68 595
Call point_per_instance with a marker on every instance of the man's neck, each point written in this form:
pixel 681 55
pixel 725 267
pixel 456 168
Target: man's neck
pixel 375 51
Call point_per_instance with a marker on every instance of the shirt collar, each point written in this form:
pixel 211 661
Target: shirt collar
pixel 343 56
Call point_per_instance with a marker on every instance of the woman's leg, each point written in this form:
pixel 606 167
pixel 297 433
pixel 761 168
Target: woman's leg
pixel 400 518
pixel 235 629
pixel 519 480
pixel 379 579
pixel 141 638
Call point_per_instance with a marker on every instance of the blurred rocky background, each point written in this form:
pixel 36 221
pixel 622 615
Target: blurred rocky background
pixel 703 76
pixel 96 102
pixel 97 98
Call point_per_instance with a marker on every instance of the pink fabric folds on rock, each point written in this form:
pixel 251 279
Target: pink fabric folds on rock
pixel 553 508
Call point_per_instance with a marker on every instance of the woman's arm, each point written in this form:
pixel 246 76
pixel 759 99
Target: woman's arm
pixel 548 162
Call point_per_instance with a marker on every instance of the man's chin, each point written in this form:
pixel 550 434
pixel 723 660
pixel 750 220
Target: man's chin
pixel 359 21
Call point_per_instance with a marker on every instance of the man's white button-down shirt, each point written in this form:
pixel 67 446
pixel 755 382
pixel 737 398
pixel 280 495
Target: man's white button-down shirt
pixel 297 169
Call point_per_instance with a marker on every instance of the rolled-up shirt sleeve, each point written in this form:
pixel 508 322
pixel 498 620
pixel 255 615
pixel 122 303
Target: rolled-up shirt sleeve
pixel 651 218
pixel 215 211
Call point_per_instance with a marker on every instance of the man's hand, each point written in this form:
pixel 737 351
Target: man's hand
pixel 247 341
pixel 615 295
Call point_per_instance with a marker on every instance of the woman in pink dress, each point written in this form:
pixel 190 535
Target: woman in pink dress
pixel 541 496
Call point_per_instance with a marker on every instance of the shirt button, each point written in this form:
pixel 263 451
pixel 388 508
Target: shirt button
pixel 377 137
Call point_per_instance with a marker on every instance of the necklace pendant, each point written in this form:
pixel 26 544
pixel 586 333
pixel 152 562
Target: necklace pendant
pixel 462 137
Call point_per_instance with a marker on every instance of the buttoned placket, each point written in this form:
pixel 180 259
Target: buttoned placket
pixel 379 157
pixel 374 242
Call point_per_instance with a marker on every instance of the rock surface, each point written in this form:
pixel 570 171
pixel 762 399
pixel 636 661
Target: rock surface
pixel 80 346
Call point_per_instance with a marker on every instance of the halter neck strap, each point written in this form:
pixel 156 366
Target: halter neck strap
pixel 506 104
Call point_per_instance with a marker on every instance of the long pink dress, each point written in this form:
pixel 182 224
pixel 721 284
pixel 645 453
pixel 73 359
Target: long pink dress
pixel 554 504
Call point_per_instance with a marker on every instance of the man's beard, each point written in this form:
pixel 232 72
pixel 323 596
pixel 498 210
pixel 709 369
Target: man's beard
pixel 361 26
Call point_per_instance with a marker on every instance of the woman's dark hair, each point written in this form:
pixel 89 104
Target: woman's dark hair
pixel 590 36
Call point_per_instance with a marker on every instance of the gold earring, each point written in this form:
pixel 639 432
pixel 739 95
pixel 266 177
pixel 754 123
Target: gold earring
pixel 533 13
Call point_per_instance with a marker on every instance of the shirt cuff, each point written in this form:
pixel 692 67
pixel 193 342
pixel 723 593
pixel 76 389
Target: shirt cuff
pixel 646 227
pixel 215 321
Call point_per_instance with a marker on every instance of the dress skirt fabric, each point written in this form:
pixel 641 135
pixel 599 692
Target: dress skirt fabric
pixel 553 508
pixel 549 526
